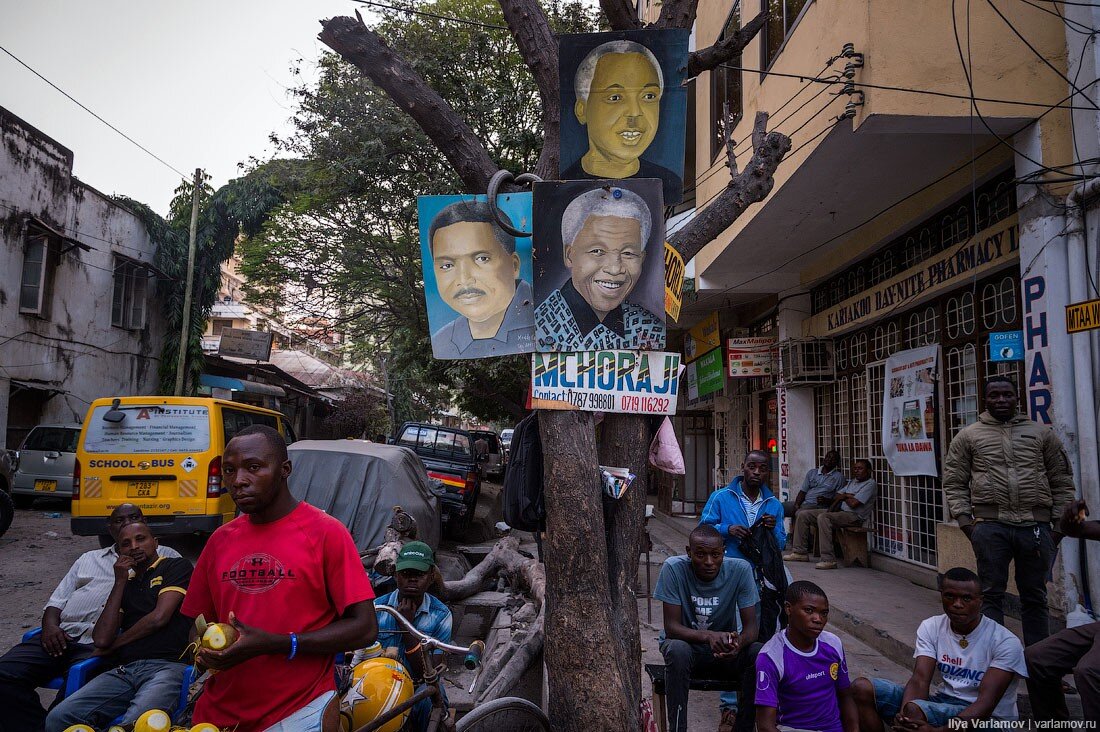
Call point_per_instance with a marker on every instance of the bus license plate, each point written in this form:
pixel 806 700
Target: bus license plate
pixel 45 486
pixel 141 489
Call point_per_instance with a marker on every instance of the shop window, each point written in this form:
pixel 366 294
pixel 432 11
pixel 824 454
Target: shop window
pixel 841 353
pixel 823 406
pixel 725 91
pixel 962 388
pixel 999 303
pixel 1003 198
pixel 860 437
pixel 882 267
pixel 923 328
pixel 841 431
pixel 130 294
pixel 783 15
pixel 960 315
pixel 220 324
pixel 858 350
pixel 885 341
pixel 910 253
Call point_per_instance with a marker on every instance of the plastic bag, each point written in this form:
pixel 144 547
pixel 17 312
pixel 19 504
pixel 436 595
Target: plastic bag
pixel 664 451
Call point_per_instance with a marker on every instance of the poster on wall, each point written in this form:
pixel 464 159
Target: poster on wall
pixel 477 276
pixel 624 106
pixel 606 381
pixel 909 411
pixel 749 357
pixel 599 265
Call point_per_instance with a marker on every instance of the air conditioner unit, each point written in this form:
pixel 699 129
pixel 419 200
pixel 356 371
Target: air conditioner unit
pixel 806 362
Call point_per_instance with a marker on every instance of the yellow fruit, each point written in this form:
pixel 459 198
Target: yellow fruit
pixel 153 720
pixel 79 728
pixel 219 636
pixel 116 728
pixel 205 727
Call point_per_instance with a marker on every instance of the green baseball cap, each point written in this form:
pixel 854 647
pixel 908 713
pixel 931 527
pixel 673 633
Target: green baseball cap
pixel 415 555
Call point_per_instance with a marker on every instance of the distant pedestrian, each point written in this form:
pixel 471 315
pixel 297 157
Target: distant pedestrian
pixel 980 661
pixel 801 673
pixel 710 626
pixel 1006 478
pixel 851 506
pixel 818 487
pixel 1074 650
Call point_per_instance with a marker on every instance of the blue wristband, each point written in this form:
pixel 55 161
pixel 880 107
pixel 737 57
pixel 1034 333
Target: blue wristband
pixel 293 646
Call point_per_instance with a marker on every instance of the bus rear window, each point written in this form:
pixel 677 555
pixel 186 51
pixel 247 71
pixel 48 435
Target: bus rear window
pixel 148 429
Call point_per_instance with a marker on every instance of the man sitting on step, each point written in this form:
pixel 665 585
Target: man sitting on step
pixel 852 506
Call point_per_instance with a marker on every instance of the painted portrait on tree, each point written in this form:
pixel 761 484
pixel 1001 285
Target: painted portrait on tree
pixel 599 265
pixel 624 106
pixel 477 276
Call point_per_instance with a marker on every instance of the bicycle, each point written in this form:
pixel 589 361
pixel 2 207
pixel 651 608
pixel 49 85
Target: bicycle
pixel 507 714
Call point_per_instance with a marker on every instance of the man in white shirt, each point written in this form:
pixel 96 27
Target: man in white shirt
pixel 67 622
pixel 981 663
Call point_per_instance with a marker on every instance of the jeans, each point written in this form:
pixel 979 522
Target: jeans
pixel 306 719
pixel 129 690
pixel 1032 548
pixel 22 670
pixel 685 660
pixel 937 709
pixel 1074 649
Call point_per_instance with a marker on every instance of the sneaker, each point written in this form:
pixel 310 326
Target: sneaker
pixel 825 565
pixel 796 557
pixel 728 721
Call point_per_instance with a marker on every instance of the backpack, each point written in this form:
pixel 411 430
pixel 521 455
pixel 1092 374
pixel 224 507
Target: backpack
pixel 524 508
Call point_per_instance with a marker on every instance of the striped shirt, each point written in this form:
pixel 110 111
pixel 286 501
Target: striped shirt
pixel 752 508
pixel 83 591
pixel 432 618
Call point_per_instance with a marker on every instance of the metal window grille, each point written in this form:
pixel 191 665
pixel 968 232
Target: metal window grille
pixel 861 444
pixel 841 353
pixel 823 406
pixel 884 341
pixel 960 315
pixel 962 388
pixel 923 328
pixel 842 432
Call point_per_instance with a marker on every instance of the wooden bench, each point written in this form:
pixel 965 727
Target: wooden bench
pixel 656 673
pixel 852 541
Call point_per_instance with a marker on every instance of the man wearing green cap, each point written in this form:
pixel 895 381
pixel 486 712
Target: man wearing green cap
pixel 416 571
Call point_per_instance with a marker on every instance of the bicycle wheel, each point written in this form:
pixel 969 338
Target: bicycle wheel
pixel 508 714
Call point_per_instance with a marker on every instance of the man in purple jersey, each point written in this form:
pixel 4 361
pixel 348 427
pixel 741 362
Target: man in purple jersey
pixel 801 675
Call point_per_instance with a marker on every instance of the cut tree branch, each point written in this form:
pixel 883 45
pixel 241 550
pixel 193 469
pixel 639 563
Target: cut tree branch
pixel 621 14
pixel 365 49
pixel 725 49
pixel 677 14
pixel 531 29
pixel 751 185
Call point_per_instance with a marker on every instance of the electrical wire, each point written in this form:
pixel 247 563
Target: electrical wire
pixel 451 18
pixel 1081 27
pixel 70 97
pixel 74 233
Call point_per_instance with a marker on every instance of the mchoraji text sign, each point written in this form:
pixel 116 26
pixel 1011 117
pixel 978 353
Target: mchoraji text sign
pixel 606 381
pixel 909 412
pixel 988 250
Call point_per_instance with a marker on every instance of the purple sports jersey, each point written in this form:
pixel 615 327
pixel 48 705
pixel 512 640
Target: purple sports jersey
pixel 802 686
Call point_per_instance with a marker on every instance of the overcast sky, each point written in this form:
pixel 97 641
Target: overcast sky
pixel 201 83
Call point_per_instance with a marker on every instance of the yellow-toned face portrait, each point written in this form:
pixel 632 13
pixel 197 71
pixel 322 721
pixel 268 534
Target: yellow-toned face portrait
pixel 621 114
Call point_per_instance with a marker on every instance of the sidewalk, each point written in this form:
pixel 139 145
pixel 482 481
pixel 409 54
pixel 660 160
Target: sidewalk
pixel 880 610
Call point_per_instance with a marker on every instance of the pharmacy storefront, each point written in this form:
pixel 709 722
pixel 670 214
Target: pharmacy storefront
pixel 941 292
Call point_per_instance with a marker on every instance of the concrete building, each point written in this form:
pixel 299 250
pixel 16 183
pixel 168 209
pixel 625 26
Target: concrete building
pixel 78 319
pixel 904 216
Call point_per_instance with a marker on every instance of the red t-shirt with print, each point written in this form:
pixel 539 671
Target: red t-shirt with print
pixel 294 575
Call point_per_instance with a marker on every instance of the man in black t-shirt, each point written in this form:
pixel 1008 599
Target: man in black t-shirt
pixel 142 633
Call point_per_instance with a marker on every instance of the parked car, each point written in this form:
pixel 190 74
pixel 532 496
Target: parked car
pixel 448 455
pixel 506 440
pixel 498 456
pixel 44 463
pixel 7 471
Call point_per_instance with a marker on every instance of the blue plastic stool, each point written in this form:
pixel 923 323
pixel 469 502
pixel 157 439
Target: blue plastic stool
pixel 79 674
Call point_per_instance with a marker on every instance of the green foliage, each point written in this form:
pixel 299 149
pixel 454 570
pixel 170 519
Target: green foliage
pixel 345 245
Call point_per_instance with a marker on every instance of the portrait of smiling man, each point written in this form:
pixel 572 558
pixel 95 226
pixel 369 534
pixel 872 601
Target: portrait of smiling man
pixel 616 94
pixel 606 232
pixel 477 274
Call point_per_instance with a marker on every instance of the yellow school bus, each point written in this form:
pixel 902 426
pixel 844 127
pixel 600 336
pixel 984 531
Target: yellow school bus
pixel 163 454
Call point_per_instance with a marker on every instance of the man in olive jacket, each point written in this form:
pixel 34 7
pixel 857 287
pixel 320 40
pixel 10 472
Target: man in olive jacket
pixel 1006 479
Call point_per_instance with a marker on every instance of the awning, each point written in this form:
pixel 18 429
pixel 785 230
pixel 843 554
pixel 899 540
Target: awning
pixel 72 243
pixel 252 387
pixel 50 391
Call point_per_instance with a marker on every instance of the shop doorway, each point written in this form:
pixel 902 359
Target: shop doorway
pixel 696 433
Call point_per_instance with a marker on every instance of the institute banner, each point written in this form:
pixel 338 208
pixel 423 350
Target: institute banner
pixel 909 411
pixel 606 381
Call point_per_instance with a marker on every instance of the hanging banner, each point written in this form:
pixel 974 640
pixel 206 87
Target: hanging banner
pixel 909 412
pixel 674 282
pixel 701 338
pixel 606 381
pixel 749 357
pixel 709 372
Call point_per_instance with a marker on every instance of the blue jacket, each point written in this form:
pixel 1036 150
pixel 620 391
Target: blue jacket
pixel 724 509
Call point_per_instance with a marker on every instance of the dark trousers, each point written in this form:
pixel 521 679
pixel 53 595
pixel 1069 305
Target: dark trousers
pixel 1074 649
pixel 22 670
pixel 685 660
pixel 1032 548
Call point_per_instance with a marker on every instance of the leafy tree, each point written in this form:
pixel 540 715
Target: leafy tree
pixel 360 414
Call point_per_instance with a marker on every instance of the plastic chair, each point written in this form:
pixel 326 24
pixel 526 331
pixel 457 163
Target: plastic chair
pixel 79 674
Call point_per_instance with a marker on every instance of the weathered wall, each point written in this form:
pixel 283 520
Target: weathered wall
pixel 72 347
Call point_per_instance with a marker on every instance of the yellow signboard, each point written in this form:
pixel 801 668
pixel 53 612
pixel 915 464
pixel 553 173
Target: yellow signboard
pixel 701 338
pixel 1082 316
pixel 674 281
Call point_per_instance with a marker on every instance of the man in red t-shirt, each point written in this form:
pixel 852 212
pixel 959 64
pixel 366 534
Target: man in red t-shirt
pixel 289 577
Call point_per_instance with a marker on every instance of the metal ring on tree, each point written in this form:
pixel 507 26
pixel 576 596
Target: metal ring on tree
pixel 500 177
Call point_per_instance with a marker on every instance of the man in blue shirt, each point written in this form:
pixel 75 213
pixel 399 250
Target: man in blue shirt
pixel 819 487
pixel 415 571
pixel 710 626
pixel 746 501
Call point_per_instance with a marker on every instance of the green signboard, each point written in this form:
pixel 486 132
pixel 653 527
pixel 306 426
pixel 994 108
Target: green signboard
pixel 711 375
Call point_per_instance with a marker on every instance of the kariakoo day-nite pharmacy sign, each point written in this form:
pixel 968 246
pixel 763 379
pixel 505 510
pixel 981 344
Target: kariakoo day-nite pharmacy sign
pixel 606 381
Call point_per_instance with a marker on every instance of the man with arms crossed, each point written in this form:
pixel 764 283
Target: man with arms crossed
pixel 709 604
pixel 289 578
pixel 67 622
pixel 981 663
